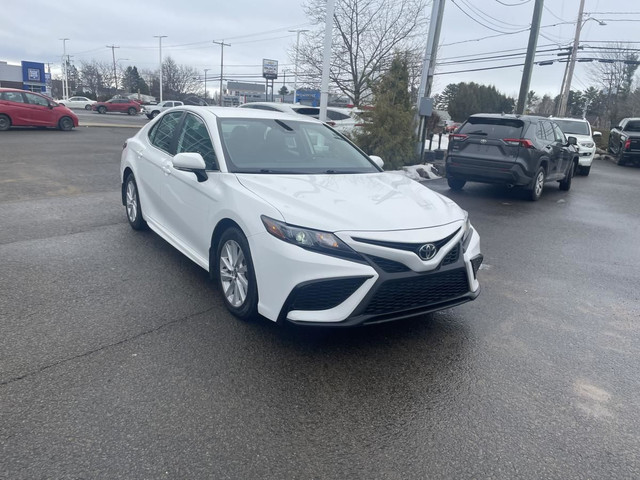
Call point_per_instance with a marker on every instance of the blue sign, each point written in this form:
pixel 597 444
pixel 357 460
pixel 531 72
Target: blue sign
pixel 33 73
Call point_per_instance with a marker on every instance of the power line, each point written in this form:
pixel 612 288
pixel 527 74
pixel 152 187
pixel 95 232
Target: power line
pixel 524 2
pixel 488 18
pixel 478 21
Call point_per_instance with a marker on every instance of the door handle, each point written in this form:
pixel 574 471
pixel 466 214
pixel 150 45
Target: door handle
pixel 166 169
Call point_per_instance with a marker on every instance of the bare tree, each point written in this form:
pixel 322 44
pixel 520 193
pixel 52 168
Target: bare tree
pixel 91 76
pixel 179 80
pixel 366 34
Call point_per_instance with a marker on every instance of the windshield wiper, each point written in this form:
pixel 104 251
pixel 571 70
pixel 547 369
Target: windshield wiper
pixel 284 125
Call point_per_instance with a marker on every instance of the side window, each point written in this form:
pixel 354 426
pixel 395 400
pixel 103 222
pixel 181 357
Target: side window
pixel 194 137
pixel 547 128
pixel 12 97
pixel 36 100
pixel 558 134
pixel 162 134
pixel 540 132
pixel 333 115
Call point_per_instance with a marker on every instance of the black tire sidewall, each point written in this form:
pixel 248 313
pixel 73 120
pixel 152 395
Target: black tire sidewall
pixel 8 120
pixel 249 309
pixel 65 122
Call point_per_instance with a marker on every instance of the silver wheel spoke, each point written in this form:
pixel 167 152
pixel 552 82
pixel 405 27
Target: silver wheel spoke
pixel 233 273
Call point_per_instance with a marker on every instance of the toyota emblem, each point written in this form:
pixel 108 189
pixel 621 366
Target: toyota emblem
pixel 483 141
pixel 427 251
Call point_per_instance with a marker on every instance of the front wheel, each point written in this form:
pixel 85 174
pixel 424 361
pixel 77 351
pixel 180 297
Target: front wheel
pixel 236 276
pixel 132 203
pixel 455 184
pixel 584 171
pixel 132 111
pixel 154 114
pixel 535 192
pixel 65 124
pixel 5 122
pixel 566 183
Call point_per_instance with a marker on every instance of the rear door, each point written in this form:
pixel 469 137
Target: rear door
pixel 15 105
pixel 487 141
pixel 551 148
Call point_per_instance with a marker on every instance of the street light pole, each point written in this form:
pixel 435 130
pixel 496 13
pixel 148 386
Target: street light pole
pixel 65 87
pixel 295 73
pixel 205 83
pixel 160 37
pixel 222 45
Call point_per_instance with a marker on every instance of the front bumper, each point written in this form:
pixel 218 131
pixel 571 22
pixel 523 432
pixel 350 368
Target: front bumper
pixel 585 156
pixel 317 289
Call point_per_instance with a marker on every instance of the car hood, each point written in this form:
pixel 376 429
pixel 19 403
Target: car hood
pixel 366 202
pixel 580 138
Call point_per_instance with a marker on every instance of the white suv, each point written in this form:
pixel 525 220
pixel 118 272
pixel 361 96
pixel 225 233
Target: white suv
pixel 581 129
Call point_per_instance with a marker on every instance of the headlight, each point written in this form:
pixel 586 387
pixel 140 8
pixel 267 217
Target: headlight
pixel 316 240
pixel 587 144
pixel 468 231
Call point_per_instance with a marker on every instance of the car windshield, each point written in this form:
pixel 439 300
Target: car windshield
pixel 632 127
pixel 493 127
pixel 575 127
pixel 253 145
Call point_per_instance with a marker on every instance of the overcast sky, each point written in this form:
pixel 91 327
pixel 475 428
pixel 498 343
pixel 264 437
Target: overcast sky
pixel 260 29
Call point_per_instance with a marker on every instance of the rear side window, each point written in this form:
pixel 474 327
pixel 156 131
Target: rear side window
pixel 12 97
pixel 310 111
pixel 493 127
pixel 161 135
pixel 333 115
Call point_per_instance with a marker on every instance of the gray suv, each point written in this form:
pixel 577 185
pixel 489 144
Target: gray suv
pixel 514 150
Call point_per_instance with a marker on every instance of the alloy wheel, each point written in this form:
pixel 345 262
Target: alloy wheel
pixel 132 201
pixel 233 273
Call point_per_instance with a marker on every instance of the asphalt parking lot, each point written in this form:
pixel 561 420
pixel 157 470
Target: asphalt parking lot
pixel 118 359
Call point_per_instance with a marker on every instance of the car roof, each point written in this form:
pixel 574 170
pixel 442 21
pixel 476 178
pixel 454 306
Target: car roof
pixel 233 112
pixel 532 118
pixel 567 119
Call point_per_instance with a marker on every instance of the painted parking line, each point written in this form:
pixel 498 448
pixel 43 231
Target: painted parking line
pixel 118 125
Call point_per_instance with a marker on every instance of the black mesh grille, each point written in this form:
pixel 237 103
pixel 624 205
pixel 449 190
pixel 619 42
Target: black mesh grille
pixel 325 294
pixel 416 292
pixel 452 256
pixel 389 265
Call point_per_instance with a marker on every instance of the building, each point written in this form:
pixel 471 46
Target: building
pixel 26 76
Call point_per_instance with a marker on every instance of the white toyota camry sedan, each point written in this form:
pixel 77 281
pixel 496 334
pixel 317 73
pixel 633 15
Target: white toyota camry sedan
pixel 293 221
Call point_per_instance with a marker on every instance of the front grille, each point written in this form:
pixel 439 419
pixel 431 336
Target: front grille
pixel 389 265
pixel 452 256
pixel 410 247
pixel 417 292
pixel 325 294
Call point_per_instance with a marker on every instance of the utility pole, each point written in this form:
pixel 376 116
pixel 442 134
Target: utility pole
pixel 564 97
pixel 115 73
pixel 160 37
pixel 65 87
pixel 295 74
pixel 326 59
pixel 428 68
pixel 222 45
pixel 531 53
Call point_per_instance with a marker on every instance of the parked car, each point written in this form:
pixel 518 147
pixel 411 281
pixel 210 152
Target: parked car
pixel 77 102
pixel 293 228
pixel 624 141
pixel 19 108
pixel 514 150
pixel 586 137
pixel 344 120
pixel 122 105
pixel 151 111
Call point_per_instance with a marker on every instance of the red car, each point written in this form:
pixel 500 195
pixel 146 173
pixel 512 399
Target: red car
pixel 19 108
pixel 122 105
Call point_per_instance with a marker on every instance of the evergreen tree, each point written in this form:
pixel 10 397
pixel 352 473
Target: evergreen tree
pixel 388 132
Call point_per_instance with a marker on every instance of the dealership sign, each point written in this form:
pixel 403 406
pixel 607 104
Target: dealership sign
pixel 34 74
pixel 269 69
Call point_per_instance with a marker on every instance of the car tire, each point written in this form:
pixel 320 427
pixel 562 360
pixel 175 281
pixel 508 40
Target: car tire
pixel 236 276
pixel 537 185
pixel 154 114
pixel 102 109
pixel 620 160
pixel 5 122
pixel 584 171
pixel 132 111
pixel 565 184
pixel 132 204
pixel 455 183
pixel 149 116
pixel 65 124
pixel 87 107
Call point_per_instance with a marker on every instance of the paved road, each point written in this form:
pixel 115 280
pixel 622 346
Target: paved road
pixel 117 359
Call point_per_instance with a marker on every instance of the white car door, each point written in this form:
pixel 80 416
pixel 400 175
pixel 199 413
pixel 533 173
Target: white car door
pixel 154 167
pixel 190 203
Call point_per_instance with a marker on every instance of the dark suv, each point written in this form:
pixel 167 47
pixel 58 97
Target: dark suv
pixel 523 151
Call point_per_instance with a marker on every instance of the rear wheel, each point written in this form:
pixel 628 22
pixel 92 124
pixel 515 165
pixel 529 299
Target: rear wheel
pixel 566 183
pixel 236 276
pixel 455 183
pixel 132 203
pixel 535 192
pixel 132 111
pixel 87 107
pixel 102 109
pixel 5 122
pixel 65 124
pixel 620 160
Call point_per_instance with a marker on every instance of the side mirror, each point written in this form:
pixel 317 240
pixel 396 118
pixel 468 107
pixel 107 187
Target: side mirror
pixel 572 141
pixel 377 160
pixel 597 134
pixel 191 162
